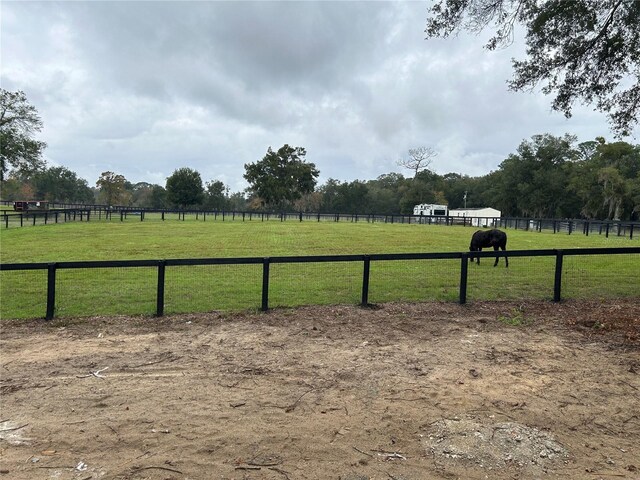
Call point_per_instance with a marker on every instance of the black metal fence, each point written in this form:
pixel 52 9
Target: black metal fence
pixel 44 217
pixel 555 281
pixel 69 212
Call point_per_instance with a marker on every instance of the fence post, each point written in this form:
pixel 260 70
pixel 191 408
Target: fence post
pixel 557 284
pixel 51 291
pixel 265 284
pixel 464 267
pixel 365 281
pixel 160 295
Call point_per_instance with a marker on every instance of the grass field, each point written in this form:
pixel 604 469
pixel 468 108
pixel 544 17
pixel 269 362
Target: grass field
pixel 229 287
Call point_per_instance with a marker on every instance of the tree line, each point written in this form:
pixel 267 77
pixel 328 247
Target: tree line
pixel 578 51
pixel 547 177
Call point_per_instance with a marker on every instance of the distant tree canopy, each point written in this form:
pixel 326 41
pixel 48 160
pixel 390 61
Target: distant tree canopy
pixel 281 177
pixel 550 177
pixel 19 121
pixel 184 188
pixel 580 50
pixel 547 176
pixel 113 189
pixel 216 195
pixel 61 185
pixel 55 184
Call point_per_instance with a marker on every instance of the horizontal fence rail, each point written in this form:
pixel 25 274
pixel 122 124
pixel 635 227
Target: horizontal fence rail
pixel 162 266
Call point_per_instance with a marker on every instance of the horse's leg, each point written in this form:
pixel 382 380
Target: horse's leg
pixel 495 249
pixel 478 258
pixel 506 259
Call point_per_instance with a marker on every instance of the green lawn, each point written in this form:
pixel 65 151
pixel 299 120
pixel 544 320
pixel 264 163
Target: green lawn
pixel 229 287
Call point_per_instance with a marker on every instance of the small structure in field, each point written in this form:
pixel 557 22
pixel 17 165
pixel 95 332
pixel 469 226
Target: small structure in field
pixel 429 209
pixel 31 205
pixel 480 217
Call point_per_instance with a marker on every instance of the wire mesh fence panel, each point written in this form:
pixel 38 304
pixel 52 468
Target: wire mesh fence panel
pixel 526 278
pixel 105 291
pixel 414 280
pixel 23 294
pixel 155 217
pixel 12 221
pixel 317 283
pixel 601 276
pixel 204 288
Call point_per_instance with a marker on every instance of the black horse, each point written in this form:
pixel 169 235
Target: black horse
pixel 489 238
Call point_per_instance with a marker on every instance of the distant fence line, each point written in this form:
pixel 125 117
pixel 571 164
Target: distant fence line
pixel 366 260
pixel 74 212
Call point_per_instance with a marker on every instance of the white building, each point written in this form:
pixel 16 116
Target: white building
pixel 429 209
pixel 480 217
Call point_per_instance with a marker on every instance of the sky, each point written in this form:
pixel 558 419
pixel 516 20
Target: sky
pixel 144 88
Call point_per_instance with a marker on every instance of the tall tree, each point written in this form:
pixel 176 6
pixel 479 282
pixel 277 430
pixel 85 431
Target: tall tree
pixel 184 188
pixel 426 187
pixel 419 159
pixel 385 193
pixel 59 184
pixel 141 194
pixel 614 190
pixel 113 188
pixel 216 195
pixel 158 197
pixel 462 191
pixel 281 177
pixel 533 181
pixel 330 193
pixel 237 201
pixel 19 121
pixel 606 182
pixel 584 51
pixel 353 198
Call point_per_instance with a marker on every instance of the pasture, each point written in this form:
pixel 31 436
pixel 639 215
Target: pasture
pixel 237 287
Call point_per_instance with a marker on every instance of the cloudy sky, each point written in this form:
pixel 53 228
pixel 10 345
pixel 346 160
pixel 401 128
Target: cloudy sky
pixel 144 88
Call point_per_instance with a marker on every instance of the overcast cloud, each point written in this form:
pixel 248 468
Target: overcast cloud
pixel 144 88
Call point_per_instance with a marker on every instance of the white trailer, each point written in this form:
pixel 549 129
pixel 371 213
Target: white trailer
pixel 428 209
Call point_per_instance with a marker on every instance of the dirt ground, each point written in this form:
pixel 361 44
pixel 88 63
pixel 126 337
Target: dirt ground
pixel 419 391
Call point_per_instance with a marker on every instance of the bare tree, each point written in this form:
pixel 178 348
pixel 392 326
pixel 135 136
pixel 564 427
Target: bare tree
pixel 419 159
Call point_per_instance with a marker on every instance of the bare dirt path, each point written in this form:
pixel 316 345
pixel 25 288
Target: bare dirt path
pixel 399 392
